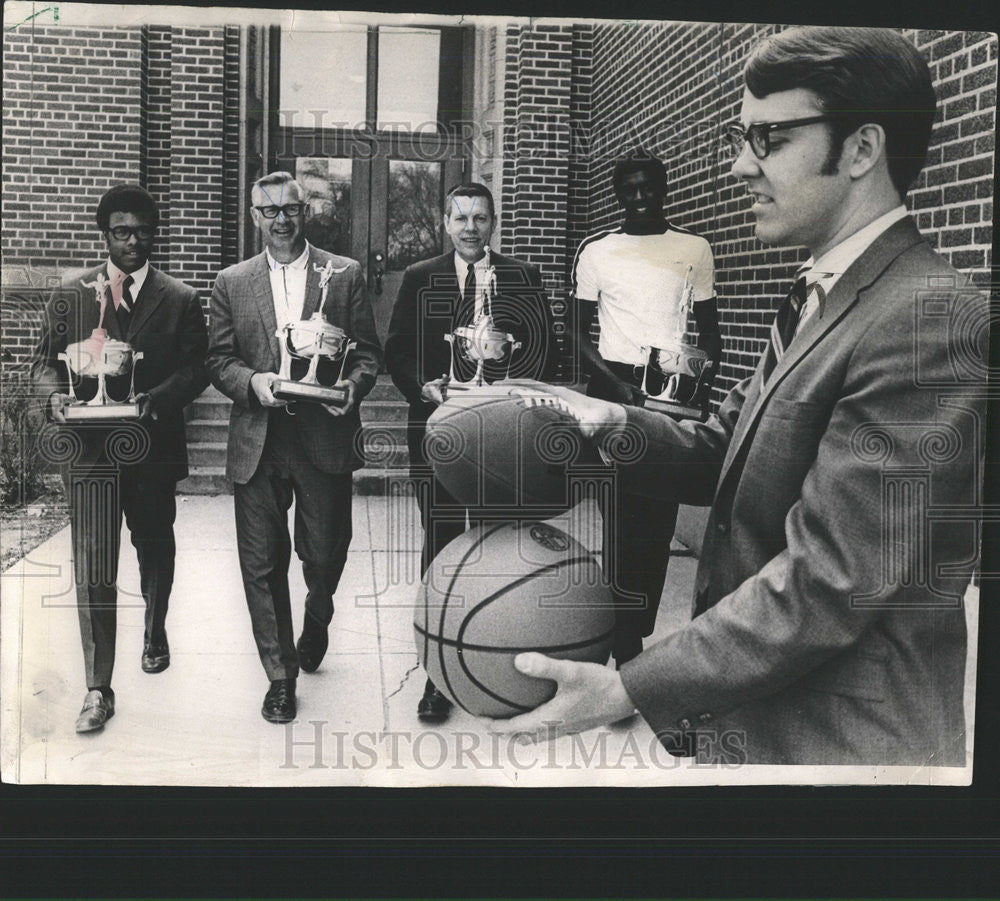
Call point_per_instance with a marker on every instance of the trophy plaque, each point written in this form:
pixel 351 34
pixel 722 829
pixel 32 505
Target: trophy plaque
pixel 675 373
pixel 312 339
pixel 101 357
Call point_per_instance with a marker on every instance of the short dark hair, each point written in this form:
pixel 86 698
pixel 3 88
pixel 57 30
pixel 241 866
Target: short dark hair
pixel 469 189
pixel 859 75
pixel 126 199
pixel 639 160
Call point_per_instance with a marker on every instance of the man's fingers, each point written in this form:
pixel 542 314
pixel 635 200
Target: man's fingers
pixel 531 663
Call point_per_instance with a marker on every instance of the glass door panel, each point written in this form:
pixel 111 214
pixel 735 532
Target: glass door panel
pixel 409 61
pixel 324 78
pixel 327 183
pixel 413 212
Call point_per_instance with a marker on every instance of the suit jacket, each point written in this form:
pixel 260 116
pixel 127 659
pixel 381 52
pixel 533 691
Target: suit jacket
pixel 167 326
pixel 242 341
pixel 429 305
pixel 828 623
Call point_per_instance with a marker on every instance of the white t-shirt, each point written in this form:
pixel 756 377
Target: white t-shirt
pixel 639 282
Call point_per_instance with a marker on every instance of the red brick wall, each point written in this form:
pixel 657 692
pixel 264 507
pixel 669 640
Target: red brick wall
pixel 669 87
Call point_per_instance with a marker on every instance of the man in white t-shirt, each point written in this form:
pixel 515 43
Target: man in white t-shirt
pixel 637 278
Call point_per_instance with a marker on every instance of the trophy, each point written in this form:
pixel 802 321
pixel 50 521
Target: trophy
pixel 313 339
pixel 678 367
pixel 104 358
pixel 480 343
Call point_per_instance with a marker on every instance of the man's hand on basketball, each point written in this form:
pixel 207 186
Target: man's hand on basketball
pixel 261 384
pixel 333 409
pixel 435 390
pixel 595 418
pixel 588 695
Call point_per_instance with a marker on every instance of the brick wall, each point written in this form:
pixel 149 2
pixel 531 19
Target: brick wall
pixel 88 108
pixel 670 86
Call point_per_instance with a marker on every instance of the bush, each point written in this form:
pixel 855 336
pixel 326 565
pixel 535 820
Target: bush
pixel 22 468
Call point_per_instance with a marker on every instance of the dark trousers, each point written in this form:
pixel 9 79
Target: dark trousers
pixel 638 530
pixel 322 537
pixel 98 496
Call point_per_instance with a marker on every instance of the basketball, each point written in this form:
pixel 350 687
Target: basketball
pixel 490 449
pixel 501 589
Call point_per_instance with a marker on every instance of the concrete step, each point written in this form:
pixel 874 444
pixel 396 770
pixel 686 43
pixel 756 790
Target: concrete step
pixel 206 453
pixel 210 408
pixel 383 411
pixel 207 430
pixel 205 480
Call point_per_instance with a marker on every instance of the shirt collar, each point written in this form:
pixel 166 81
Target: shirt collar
pixel 462 267
pixel 298 263
pixel 138 277
pixel 838 258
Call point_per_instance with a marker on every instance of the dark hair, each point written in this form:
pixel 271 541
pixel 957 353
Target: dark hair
pixel 469 189
pixel 126 199
pixel 859 75
pixel 639 160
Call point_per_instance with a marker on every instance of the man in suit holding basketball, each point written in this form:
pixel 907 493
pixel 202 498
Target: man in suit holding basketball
pixel 434 298
pixel 828 624
pixel 277 453
pixel 128 300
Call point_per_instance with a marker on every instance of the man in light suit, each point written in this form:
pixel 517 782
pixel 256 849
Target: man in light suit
pixel 124 299
pixel 435 297
pixel 828 624
pixel 277 453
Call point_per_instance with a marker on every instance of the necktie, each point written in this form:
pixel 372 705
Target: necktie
pixel 785 322
pixel 470 287
pixel 124 310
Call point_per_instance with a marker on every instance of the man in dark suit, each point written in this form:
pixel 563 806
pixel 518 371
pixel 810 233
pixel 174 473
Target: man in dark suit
pixel 828 621
pixel 124 299
pixel 277 452
pixel 434 298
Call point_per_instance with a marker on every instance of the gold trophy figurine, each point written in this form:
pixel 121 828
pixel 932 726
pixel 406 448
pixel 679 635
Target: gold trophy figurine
pixel 313 339
pixel 480 343
pixel 101 357
pixel 682 367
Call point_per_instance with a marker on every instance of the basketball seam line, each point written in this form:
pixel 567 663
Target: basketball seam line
pixel 541 649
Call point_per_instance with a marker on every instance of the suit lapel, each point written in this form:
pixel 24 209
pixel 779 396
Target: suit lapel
pixel 845 294
pixel 310 302
pixel 260 286
pixel 150 297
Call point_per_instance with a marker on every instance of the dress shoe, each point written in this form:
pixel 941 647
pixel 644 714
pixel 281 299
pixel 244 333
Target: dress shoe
pixel 156 657
pixel 98 708
pixel 312 645
pixel 434 707
pixel 279 702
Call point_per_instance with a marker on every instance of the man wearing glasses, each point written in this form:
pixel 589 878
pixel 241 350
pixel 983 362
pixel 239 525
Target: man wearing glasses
pixel 124 299
pixel 828 622
pixel 277 452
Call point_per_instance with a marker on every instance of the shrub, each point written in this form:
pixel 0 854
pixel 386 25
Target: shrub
pixel 22 468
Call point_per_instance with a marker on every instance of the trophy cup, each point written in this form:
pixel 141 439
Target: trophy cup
pixel 480 343
pixel 104 358
pixel 313 339
pixel 679 368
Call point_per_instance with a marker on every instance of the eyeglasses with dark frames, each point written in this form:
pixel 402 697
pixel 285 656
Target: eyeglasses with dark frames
pixel 758 135
pixel 124 232
pixel 287 211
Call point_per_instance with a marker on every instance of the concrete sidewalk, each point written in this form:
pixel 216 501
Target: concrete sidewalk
pixel 199 722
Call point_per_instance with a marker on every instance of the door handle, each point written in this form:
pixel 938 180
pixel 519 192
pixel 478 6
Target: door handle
pixel 378 270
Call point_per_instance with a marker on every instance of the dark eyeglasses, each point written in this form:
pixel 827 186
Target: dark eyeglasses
pixel 288 210
pixel 758 135
pixel 124 232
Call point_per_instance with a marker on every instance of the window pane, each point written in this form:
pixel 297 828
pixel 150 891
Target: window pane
pixel 408 64
pixel 327 183
pixel 413 212
pixel 323 70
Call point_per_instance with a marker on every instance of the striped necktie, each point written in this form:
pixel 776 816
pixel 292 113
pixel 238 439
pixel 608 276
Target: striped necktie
pixel 784 324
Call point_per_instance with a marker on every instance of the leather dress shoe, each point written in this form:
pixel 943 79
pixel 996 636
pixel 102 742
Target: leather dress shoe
pixel 312 645
pixel 155 657
pixel 98 708
pixel 279 702
pixel 434 706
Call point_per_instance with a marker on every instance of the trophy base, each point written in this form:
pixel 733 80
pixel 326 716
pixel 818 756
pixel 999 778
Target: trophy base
pixel 288 389
pixel 81 412
pixel 675 408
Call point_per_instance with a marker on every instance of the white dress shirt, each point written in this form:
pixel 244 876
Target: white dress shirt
pixel 288 286
pixel 481 267
pixel 116 276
